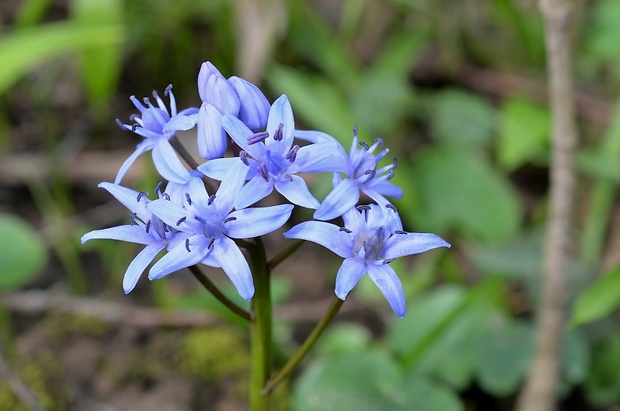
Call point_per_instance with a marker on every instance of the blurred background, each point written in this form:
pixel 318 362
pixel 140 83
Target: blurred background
pixel 457 90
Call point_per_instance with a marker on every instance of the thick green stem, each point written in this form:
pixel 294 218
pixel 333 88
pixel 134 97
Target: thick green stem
pixel 260 329
pixel 204 280
pixel 306 346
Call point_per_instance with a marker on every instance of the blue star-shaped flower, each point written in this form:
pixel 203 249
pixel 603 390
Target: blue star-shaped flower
pixel 210 225
pixel 144 228
pixel 157 125
pixel 272 160
pixel 371 238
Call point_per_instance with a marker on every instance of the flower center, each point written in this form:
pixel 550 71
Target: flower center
pixel 368 245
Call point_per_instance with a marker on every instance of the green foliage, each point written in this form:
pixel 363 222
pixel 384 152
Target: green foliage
pixel 22 252
pixel 603 381
pixel 599 299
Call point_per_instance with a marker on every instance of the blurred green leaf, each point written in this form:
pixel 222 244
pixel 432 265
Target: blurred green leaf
pixel 523 132
pixel 575 357
pixel 602 385
pixel 424 395
pixel 598 300
pixel 504 355
pixel 602 35
pixel 459 190
pixel 462 119
pixel 343 338
pixel 30 12
pixel 22 50
pixel 99 66
pixel 22 253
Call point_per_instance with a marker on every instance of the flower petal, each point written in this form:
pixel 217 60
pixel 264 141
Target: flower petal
pixel 211 136
pixel 140 149
pixel 296 191
pixel 139 264
pixel 255 190
pixel 392 289
pixel 339 201
pixel 348 275
pixel 326 234
pixel 399 245
pixel 235 266
pixel 318 158
pixel 129 198
pixel 178 123
pixel 179 258
pixel 219 168
pixel 239 132
pixel 171 214
pixel 168 164
pixel 383 188
pixel 230 187
pixel 130 233
pixel 254 222
pixel 280 113
pixel 314 136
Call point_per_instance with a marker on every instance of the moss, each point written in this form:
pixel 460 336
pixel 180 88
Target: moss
pixel 62 326
pixel 8 399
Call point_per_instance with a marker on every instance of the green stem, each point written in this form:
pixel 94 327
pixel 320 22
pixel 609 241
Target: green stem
pixel 260 329
pixel 204 280
pixel 284 254
pixel 185 155
pixel 306 346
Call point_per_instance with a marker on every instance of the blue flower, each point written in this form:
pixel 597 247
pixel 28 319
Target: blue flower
pixel 272 160
pixel 210 225
pixel 360 167
pixel 234 96
pixel 144 228
pixel 158 125
pixel 371 238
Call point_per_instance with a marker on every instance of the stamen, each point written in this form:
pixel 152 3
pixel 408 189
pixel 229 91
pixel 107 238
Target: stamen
pixel 391 207
pixel 121 125
pixel 363 207
pixel 229 219
pixel 371 174
pixel 346 230
pixel 390 175
pixel 134 117
pixel 262 170
pixel 148 226
pixel 187 245
pixel 168 90
pixel 202 220
pixel 400 232
pixel 257 137
pixel 134 127
pixel 388 260
pixel 288 176
pixel 147 101
pixel 211 241
pixel 181 220
pixel 243 156
pixel 292 154
pixel 394 162
pixel 166 229
pixel 211 198
pixel 279 134
pixel 158 187
pixel 355 131
pixel 132 219
pixel 379 141
pixel 188 198
pixel 165 196
pixel 366 146
pixel 140 195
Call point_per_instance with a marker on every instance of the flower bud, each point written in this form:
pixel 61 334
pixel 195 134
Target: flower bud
pixel 216 90
pixel 211 134
pixel 254 105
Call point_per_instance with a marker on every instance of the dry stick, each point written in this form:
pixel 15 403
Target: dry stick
pixel 539 391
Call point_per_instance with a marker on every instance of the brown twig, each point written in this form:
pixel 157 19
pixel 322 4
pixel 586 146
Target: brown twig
pixel 539 391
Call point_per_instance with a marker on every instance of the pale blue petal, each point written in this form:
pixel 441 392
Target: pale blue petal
pixel 219 168
pixel 296 191
pixel 378 216
pixel 314 136
pixel 384 188
pixel 254 222
pixel 168 164
pixel 325 234
pixel 239 132
pixel 178 257
pixel 230 187
pixel 130 233
pixel 178 123
pixel 354 220
pixel 211 136
pixel 400 245
pixel 171 214
pixel 317 158
pixel 235 266
pixel 388 282
pixel 211 261
pixel 255 190
pixel 129 198
pixel 339 201
pixel 139 264
pixel 280 113
pixel 140 149
pixel 348 276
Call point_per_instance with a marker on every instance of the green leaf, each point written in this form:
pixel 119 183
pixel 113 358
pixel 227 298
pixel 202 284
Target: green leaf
pixel 458 190
pixel 343 338
pixel 504 355
pixel 575 357
pixel 357 381
pixel 425 395
pixel 462 119
pixel 598 300
pixel 22 50
pixel 22 252
pixel 602 386
pixel 523 132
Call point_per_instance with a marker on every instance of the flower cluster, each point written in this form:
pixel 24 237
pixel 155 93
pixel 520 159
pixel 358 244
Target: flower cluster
pixel 194 226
